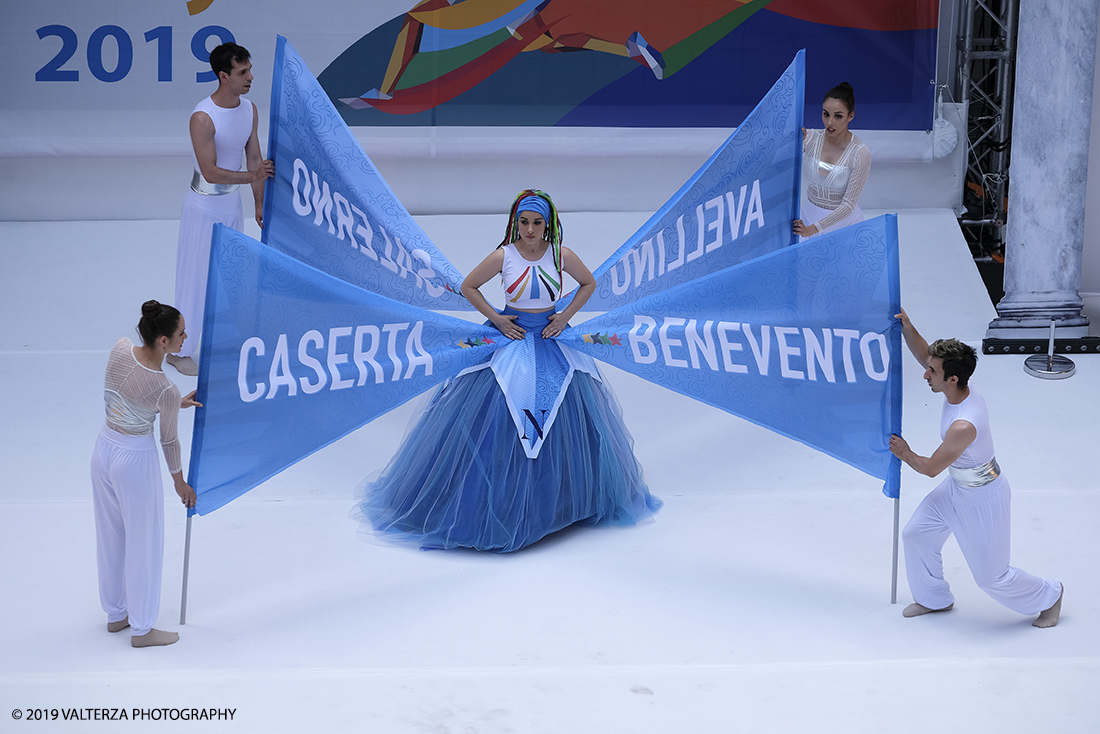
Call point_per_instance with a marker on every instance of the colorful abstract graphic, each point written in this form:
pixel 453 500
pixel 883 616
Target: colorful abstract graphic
pixel 632 63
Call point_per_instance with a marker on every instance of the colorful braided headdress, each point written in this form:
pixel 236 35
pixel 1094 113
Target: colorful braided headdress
pixel 553 233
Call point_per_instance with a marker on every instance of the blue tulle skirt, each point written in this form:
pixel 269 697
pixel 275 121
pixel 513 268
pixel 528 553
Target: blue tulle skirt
pixel 461 478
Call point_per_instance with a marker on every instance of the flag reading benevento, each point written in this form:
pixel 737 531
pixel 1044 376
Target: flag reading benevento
pixel 294 359
pixel 738 206
pixel 329 207
pixel 802 341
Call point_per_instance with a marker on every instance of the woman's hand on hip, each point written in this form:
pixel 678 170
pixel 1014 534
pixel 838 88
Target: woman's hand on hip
pixel 558 323
pixel 506 324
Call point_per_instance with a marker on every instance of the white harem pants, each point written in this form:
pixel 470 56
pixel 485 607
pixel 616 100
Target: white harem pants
pixel 128 499
pixel 200 214
pixel 980 518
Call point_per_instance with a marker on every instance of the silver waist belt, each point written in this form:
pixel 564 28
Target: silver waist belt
pixel 976 476
pixel 201 186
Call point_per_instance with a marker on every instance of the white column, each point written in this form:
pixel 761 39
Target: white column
pixel 1051 120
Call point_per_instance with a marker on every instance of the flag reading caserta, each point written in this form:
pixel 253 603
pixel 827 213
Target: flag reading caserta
pixel 738 206
pixel 328 206
pixel 293 359
pixel 802 341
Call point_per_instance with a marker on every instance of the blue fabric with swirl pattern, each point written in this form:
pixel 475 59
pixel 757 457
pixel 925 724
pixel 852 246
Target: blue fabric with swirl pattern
pixel 803 342
pixel 738 206
pixel 329 207
pixel 325 330
pixel 293 359
pixel 534 374
pixel 463 478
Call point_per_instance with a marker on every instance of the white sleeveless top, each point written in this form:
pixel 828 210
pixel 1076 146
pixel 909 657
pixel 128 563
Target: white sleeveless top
pixel 530 285
pixel 232 128
pixel 973 411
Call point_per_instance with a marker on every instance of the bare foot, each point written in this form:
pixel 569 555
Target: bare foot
pixel 915 610
pixel 1049 617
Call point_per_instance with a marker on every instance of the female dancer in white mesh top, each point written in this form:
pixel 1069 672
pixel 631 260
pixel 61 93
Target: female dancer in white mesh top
pixel 127 494
pixel 835 165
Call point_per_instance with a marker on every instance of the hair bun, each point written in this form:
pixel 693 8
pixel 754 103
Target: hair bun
pixel 845 94
pixel 157 319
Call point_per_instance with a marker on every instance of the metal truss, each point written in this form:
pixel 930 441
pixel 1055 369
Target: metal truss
pixel 985 69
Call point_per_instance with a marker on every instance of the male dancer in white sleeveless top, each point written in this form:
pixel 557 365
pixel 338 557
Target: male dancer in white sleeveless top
pixel 222 127
pixel 973 502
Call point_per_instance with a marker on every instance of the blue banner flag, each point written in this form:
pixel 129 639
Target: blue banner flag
pixel 737 207
pixel 328 206
pixel 293 359
pixel 802 341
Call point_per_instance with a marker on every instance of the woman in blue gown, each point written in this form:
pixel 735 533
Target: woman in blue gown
pixel 529 442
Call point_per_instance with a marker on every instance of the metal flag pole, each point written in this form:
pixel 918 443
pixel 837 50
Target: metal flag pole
pixel 186 564
pixel 894 576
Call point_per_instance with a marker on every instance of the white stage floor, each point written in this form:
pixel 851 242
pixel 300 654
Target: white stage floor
pixel 757 601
